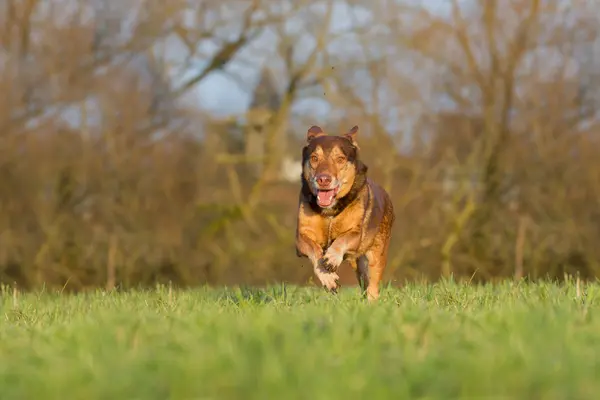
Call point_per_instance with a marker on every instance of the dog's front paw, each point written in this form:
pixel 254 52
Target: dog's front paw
pixel 329 280
pixel 325 265
pixel 331 261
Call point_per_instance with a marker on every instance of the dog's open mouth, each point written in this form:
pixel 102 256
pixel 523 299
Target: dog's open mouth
pixel 325 197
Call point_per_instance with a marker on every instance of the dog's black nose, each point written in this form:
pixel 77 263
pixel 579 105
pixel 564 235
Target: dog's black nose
pixel 323 179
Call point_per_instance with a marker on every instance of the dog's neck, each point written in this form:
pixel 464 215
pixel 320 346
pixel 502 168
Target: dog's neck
pixel 359 182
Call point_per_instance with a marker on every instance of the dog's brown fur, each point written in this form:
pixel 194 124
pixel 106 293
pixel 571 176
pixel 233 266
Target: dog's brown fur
pixel 356 226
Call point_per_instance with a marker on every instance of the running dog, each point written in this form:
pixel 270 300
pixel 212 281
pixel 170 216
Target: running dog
pixel 342 214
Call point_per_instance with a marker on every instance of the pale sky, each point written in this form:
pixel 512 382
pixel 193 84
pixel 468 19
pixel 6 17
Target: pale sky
pixel 221 95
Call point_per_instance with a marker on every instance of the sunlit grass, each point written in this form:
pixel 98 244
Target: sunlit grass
pixel 440 341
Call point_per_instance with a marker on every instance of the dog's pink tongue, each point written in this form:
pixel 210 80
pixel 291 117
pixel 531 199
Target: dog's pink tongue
pixel 325 197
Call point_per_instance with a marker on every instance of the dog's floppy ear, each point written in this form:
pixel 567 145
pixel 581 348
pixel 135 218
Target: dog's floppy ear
pixel 351 135
pixel 314 132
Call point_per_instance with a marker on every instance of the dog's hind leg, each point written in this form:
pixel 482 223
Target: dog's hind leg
pixel 377 256
pixel 362 273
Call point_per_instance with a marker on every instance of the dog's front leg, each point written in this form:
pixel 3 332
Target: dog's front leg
pixel 335 253
pixel 308 247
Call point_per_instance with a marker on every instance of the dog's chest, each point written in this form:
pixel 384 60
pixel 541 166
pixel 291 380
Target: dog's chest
pixel 333 227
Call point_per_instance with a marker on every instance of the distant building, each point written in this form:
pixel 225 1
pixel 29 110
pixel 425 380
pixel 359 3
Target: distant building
pixel 252 128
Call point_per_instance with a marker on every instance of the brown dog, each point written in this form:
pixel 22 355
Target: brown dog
pixel 342 214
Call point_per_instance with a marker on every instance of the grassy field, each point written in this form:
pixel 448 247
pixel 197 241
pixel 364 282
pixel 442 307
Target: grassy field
pixel 441 341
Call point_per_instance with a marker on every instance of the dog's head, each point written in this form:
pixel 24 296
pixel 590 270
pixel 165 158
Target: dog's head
pixel 330 165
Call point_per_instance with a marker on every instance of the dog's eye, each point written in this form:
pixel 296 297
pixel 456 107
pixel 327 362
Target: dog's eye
pixel 341 160
pixel 314 159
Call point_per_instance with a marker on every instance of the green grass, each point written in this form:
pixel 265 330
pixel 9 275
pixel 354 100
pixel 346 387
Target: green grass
pixel 442 341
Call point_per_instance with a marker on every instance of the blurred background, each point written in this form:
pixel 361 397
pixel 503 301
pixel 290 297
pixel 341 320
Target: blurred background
pixel 146 141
